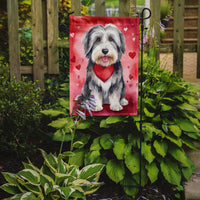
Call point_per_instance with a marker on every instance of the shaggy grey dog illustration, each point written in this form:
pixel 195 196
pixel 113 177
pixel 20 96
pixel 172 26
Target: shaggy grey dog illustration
pixel 104 46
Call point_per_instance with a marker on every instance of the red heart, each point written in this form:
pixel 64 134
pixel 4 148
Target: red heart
pixel 130 76
pixel 132 54
pixel 73 59
pixel 104 73
pixel 78 67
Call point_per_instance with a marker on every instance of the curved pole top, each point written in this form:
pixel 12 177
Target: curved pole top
pixel 143 18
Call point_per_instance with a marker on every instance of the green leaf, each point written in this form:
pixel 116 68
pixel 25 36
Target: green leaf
pixel 165 107
pixel 64 103
pixel 188 171
pixel 78 157
pixel 188 142
pixel 185 106
pixel 78 144
pixel 171 172
pixel 91 171
pixel 62 122
pixel 160 147
pixel 175 87
pixel 61 168
pixel 16 197
pixel 186 125
pixel 179 155
pixel 50 160
pixel 95 146
pixel 29 196
pixel 115 170
pixel 52 112
pixel 66 191
pixel 103 124
pixel 147 152
pixel 115 119
pixel 30 175
pixel 129 186
pixel 174 140
pixel 153 171
pixel 33 188
pixel 132 161
pixel 92 156
pixel 10 177
pixel 84 124
pixel 106 141
pixel 119 148
pixel 10 188
pixel 147 113
pixel 175 130
pixel 60 135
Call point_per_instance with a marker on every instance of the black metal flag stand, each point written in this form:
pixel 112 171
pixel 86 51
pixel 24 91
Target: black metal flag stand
pixel 141 85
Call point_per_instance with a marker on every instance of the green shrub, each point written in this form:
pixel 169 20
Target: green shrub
pixel 19 112
pixel 170 123
pixel 54 180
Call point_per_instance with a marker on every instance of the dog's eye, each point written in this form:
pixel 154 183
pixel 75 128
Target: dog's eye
pixel 110 39
pixel 98 39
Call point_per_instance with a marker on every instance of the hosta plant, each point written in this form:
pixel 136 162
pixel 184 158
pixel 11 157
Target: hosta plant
pixel 54 180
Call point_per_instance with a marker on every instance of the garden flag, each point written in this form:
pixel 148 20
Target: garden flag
pixel 104 60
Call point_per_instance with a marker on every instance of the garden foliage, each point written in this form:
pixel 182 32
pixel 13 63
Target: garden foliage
pixel 20 107
pixel 170 123
pixel 54 180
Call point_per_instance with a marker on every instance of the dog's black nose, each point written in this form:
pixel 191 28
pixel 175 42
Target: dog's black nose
pixel 105 51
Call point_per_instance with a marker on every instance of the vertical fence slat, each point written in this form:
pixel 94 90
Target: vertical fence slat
pixel 198 44
pixel 100 8
pixel 155 27
pixel 124 8
pixel 133 8
pixel 52 32
pixel 14 44
pixel 178 47
pixel 76 7
pixel 37 38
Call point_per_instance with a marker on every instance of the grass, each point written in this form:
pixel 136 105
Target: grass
pixel 112 3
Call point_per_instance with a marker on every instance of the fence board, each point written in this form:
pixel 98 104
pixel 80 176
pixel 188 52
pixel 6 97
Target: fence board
pixel 154 39
pixel 124 8
pixel 100 8
pixel 76 7
pixel 133 8
pixel 178 36
pixel 14 44
pixel 37 38
pixel 52 36
pixel 198 44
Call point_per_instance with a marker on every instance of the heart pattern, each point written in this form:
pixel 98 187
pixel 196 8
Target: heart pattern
pixel 132 54
pixel 125 29
pixel 104 73
pixel 78 67
pixel 72 35
pixel 130 76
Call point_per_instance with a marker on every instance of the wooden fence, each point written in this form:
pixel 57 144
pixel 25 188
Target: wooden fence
pixel 45 34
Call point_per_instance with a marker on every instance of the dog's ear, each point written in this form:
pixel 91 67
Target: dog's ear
pixel 122 40
pixel 86 40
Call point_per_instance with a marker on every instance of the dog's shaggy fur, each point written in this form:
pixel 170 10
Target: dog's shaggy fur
pixel 104 45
